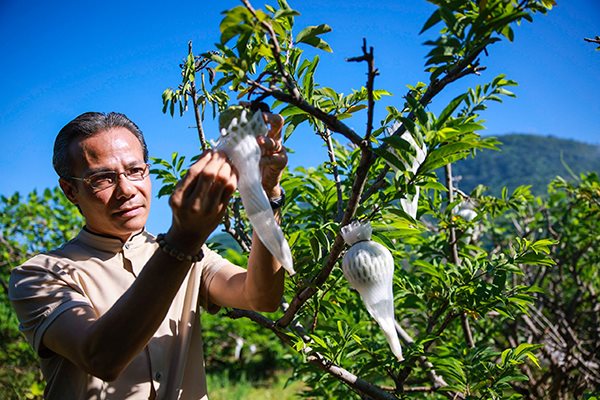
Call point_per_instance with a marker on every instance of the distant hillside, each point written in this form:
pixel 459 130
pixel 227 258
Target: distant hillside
pixel 527 160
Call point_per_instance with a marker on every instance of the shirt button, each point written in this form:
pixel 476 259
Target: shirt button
pixel 157 376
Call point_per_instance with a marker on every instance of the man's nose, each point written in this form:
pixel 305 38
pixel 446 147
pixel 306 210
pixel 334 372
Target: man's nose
pixel 124 187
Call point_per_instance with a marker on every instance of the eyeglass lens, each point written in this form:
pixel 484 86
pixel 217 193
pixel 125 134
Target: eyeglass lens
pixel 104 180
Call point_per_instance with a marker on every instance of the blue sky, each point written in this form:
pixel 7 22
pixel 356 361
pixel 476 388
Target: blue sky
pixel 60 59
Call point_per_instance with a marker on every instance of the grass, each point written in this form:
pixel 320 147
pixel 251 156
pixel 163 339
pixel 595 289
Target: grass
pixel 220 387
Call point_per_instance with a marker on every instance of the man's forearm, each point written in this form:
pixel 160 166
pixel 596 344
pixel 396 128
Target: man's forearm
pixel 265 279
pixel 105 345
pixel 140 310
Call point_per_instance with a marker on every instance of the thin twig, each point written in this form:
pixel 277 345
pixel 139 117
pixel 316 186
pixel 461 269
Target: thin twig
pixel 236 231
pixel 454 253
pixel 326 136
pixel 377 184
pixel 197 116
pixel 371 74
pixel 276 50
pixel 419 389
pixel 595 40
pixel 296 326
pixel 409 364
pixel 437 380
pixel 463 68
pixel 316 314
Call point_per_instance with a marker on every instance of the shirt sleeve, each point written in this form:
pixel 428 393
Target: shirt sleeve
pixel 39 291
pixel 211 264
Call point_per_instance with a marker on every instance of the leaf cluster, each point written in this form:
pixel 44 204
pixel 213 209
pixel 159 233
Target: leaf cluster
pixel 29 224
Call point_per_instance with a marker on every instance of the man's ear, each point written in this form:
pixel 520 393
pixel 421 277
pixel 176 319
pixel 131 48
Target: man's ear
pixel 68 189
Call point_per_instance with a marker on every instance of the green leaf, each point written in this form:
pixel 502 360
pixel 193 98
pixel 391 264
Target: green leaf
pixel 166 190
pixel 534 360
pixel 449 109
pixel 431 21
pixel 512 378
pixel 398 143
pixel 428 268
pixel 234 23
pixel 309 35
pixel 542 245
pixel 418 109
pixel 469 127
pixel 445 155
pixel 434 186
pixel 290 110
pixel 535 259
pixel 356 108
pixel 319 341
pixel 391 158
pixel 285 13
pixel 340 328
pixel 524 348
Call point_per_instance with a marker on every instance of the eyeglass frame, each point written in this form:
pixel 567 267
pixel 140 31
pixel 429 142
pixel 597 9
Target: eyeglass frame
pixel 117 175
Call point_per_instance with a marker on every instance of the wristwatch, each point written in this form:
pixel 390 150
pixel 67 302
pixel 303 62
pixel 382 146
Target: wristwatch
pixel 277 202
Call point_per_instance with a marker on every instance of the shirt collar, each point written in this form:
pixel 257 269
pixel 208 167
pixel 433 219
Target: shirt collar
pixel 113 244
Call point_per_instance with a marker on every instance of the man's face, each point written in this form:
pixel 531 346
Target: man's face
pixel 120 210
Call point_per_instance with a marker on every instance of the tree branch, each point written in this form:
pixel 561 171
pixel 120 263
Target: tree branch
pixel 315 358
pixel 409 364
pixel 197 116
pixel 594 40
pixel 367 159
pixel 377 184
pixel 199 126
pixel 436 380
pixel 276 49
pixel 236 231
pixel 465 67
pixel 331 121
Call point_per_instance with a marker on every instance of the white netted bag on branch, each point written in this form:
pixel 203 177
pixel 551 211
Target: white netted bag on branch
pixel 466 210
pixel 369 268
pixel 410 202
pixel 239 130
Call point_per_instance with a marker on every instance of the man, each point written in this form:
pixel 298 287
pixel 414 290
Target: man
pixel 114 313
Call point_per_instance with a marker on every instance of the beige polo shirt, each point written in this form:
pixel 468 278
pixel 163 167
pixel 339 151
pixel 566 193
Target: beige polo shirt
pixel 94 271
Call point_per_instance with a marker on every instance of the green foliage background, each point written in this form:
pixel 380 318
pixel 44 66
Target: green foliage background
pixel 28 225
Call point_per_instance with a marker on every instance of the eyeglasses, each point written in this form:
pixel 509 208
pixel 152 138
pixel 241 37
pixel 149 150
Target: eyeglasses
pixel 106 179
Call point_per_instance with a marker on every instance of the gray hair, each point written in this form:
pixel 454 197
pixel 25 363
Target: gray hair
pixel 86 125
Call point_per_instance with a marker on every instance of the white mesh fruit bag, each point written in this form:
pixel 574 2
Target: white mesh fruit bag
pixel 239 130
pixel 369 268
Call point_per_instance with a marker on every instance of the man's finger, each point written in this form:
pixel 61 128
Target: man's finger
pixel 188 182
pixel 276 122
pixel 269 145
pixel 277 160
pixel 207 178
pixel 222 187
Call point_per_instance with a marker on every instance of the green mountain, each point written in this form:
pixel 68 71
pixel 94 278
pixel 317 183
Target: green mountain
pixel 527 160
